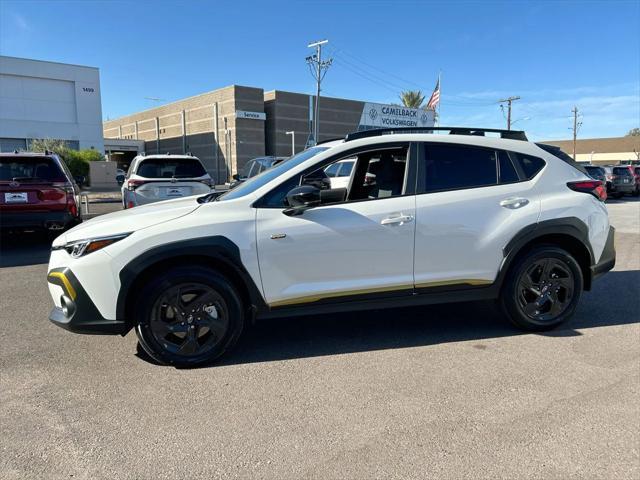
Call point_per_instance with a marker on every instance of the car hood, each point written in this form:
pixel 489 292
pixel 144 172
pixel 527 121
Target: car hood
pixel 130 220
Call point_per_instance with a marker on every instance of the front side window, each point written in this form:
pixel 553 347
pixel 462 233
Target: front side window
pixel 452 167
pixel 375 174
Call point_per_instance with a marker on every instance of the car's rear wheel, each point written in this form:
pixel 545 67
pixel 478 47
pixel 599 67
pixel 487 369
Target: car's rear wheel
pixel 188 316
pixel 542 289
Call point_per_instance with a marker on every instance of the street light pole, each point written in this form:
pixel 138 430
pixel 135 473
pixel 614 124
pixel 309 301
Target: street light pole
pixel 293 142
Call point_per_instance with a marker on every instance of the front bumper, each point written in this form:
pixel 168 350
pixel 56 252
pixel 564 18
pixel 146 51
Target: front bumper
pixel 78 313
pixel 608 257
pixel 20 220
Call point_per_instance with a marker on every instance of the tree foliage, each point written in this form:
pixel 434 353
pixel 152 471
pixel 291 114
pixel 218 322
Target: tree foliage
pixel 76 160
pixel 412 98
pixel 634 132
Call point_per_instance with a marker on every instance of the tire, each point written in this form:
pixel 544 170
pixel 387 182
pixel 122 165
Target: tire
pixel 535 301
pixel 173 335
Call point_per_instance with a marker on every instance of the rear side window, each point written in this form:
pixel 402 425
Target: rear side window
pixel 559 153
pixel 170 168
pixel 507 172
pixel 30 169
pixel 452 167
pixel 530 165
pixel 622 171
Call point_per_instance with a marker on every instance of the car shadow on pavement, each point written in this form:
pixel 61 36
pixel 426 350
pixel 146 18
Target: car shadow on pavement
pixel 24 248
pixel 613 301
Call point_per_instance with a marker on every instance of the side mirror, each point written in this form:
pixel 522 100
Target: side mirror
pixel 302 198
pixel 236 177
pixel 80 180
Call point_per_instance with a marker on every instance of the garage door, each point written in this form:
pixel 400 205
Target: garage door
pixel 37 99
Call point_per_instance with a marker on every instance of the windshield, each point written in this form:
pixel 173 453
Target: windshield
pixel 254 183
pixel 173 167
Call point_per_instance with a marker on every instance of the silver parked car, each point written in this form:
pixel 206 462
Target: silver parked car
pixel 154 178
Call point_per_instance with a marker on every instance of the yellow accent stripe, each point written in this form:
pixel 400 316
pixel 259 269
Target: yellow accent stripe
pixel 65 281
pixel 315 298
pixel 453 282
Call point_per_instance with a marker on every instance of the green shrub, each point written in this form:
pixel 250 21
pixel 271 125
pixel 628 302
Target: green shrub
pixel 76 160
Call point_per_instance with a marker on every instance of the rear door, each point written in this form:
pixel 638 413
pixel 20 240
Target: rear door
pixel 470 202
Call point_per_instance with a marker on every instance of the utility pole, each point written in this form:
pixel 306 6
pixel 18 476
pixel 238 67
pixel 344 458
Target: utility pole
pixel 509 101
pixel 576 126
pixel 318 69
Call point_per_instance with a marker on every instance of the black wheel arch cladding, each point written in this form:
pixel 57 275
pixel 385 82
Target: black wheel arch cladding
pixel 218 250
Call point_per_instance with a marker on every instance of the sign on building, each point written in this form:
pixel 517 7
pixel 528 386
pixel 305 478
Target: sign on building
pixel 251 115
pixel 379 115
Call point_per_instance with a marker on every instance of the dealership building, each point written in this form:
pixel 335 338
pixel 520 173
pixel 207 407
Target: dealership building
pixel 49 100
pixel 227 127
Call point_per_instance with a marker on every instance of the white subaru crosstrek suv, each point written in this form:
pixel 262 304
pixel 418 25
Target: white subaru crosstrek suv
pixel 152 178
pixel 450 217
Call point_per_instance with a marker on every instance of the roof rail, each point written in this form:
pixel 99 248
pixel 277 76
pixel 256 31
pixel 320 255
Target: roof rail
pixel 508 134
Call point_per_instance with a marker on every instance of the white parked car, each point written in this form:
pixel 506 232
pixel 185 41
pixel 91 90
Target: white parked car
pixel 449 218
pixel 340 172
pixel 152 178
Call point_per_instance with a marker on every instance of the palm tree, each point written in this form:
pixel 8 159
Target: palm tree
pixel 412 98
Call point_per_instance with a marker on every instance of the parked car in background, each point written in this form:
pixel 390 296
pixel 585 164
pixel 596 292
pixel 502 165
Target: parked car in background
pixel 255 166
pixel 37 191
pixel 636 173
pixel 597 173
pixel 340 173
pixel 154 178
pixel 620 180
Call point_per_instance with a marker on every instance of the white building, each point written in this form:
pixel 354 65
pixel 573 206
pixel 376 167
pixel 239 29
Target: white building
pixel 49 100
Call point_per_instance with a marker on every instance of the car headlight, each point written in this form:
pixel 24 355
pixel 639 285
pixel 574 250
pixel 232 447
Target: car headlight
pixel 79 248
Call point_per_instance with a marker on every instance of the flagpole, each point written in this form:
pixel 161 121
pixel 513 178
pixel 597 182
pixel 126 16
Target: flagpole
pixel 439 86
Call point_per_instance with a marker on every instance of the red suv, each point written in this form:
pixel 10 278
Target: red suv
pixel 37 191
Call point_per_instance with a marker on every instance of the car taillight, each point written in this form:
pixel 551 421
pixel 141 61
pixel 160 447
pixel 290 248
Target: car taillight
pixel 67 187
pixel 593 187
pixel 133 184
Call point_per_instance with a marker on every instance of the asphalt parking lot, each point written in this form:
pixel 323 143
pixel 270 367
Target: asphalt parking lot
pixel 446 392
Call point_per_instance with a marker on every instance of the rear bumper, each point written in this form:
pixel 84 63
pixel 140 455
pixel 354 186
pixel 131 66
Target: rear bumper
pixel 35 219
pixel 623 187
pixel 608 257
pixel 78 313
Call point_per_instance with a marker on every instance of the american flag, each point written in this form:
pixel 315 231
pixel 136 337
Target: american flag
pixel 435 97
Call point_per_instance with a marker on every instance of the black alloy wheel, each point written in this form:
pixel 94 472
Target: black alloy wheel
pixel 545 289
pixel 189 319
pixel 542 288
pixel 188 316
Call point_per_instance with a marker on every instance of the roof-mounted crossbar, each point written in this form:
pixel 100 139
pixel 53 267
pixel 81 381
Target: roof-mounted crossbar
pixel 508 134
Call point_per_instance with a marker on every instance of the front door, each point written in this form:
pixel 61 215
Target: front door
pixel 360 246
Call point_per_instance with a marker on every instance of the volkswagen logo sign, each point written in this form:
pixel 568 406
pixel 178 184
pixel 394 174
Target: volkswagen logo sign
pixel 373 114
pixel 14 184
pixel 424 118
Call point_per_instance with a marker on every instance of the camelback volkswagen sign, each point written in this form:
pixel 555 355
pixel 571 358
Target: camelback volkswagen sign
pixel 379 115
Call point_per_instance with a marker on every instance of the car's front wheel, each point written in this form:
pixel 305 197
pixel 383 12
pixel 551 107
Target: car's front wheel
pixel 188 316
pixel 542 289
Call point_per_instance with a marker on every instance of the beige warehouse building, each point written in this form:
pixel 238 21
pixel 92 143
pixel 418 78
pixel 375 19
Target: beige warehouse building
pixel 226 128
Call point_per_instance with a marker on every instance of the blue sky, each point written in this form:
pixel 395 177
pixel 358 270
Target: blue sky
pixel 554 54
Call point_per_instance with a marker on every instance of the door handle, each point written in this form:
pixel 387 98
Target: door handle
pixel 514 203
pixel 399 220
